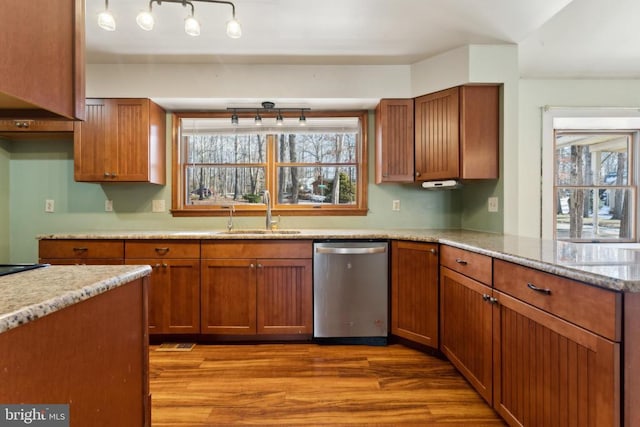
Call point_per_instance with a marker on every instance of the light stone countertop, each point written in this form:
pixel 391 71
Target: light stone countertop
pixel 29 295
pixel 604 265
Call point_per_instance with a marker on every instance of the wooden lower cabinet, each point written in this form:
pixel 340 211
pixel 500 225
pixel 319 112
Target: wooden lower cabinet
pixel 466 329
pixel 174 295
pixel 551 372
pixel 174 292
pixel 257 296
pixel 414 292
pixel 228 297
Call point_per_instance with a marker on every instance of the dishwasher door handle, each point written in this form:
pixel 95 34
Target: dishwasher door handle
pixel 351 251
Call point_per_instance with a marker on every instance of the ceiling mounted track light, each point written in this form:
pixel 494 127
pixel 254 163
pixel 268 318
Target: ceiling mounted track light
pixel 268 107
pixel 146 20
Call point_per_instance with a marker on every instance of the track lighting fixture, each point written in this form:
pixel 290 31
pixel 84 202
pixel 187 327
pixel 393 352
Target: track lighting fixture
pixel 146 21
pixel 106 21
pixel 268 107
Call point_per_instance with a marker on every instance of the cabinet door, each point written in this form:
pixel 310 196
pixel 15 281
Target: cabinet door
pixel 284 296
pixel 437 135
pixel 466 328
pixel 43 63
pixel 92 150
pixel 228 297
pixel 414 288
pixel 131 139
pixel 394 141
pixel 479 131
pixel 174 295
pixel 551 372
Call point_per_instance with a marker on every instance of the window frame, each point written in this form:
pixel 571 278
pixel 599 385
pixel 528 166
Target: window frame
pixel 630 186
pixel 180 209
pixel 592 118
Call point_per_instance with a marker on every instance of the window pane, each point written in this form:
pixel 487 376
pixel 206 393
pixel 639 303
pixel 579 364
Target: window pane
pixel 316 185
pixel 224 185
pixel 329 147
pixel 592 159
pixel 226 148
pixel 600 213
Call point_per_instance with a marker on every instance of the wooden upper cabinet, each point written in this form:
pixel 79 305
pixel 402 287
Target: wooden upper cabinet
pixel 121 140
pixel 42 63
pixel 457 133
pixel 394 141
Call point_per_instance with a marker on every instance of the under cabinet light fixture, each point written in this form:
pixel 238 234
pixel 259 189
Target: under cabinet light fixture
pixel 146 21
pixel 268 107
pixel 106 21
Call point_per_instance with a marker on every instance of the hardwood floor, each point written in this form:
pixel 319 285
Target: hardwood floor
pixel 310 385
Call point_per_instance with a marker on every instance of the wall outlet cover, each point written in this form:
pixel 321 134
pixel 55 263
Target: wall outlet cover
pixel 492 204
pixel 157 205
pixel 108 205
pixel 49 206
pixel 395 206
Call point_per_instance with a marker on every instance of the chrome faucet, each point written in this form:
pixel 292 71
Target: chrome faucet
pixel 232 209
pixel 267 201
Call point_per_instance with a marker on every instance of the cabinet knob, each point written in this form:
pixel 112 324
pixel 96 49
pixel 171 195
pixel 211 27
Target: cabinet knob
pixel 251 266
pixel 107 174
pixel 259 265
pixel 417 173
pixel 433 251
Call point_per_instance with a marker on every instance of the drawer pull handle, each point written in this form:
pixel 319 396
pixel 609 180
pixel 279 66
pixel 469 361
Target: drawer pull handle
pixel 461 261
pixel 80 249
pixel 537 289
pixel 162 251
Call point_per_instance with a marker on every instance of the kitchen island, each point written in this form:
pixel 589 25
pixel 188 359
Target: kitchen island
pixel 77 335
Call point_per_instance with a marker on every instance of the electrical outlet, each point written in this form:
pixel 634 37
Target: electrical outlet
pixel 492 204
pixel 108 205
pixel 157 205
pixel 49 206
pixel 395 206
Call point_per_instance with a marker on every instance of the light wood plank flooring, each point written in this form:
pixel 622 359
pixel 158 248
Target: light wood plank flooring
pixel 310 385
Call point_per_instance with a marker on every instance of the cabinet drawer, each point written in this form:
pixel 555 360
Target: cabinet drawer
pixel 81 249
pixel 257 249
pixel 470 264
pixel 162 249
pixel 30 125
pixel 597 310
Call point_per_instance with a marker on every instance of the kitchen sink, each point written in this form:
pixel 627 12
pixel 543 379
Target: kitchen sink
pixel 260 231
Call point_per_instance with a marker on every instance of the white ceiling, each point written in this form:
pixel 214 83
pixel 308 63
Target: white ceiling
pixel 556 38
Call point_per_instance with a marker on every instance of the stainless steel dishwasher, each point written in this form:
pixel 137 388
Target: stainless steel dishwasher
pixel 351 292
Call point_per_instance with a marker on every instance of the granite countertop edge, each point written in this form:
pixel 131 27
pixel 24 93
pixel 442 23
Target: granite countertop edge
pixel 495 245
pixel 83 283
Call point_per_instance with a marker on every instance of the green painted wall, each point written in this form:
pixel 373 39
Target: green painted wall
pixel 43 170
pixel 4 201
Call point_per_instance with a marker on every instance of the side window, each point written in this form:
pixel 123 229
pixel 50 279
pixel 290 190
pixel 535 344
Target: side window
pixel 594 189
